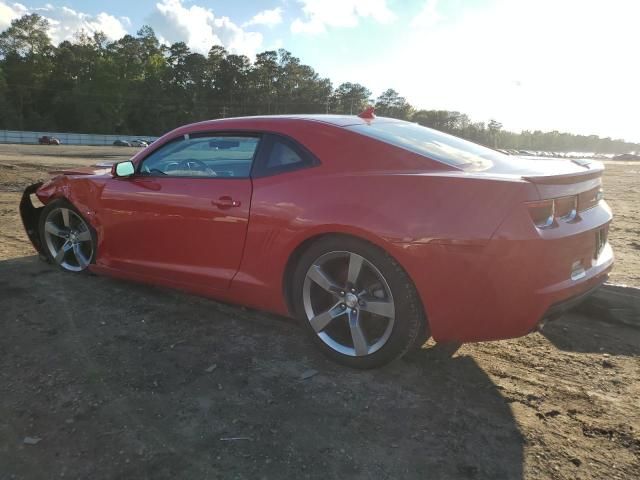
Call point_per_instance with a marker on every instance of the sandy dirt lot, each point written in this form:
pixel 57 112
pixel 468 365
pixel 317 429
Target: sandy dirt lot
pixel 111 379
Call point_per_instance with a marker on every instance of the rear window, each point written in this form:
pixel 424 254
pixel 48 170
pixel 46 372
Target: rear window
pixel 433 144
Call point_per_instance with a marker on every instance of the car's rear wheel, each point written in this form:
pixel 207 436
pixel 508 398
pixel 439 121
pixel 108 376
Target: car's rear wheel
pixel 68 240
pixel 358 304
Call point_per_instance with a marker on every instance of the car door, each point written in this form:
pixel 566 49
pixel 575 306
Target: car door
pixel 183 215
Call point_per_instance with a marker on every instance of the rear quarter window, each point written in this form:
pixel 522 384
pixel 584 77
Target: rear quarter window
pixel 280 154
pixel 432 144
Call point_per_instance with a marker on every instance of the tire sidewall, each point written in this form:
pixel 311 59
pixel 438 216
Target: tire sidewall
pixel 409 318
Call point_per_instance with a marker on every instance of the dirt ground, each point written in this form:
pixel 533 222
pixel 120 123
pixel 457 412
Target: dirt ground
pixel 112 379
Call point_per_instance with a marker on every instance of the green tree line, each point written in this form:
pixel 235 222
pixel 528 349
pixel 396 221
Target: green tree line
pixel 136 85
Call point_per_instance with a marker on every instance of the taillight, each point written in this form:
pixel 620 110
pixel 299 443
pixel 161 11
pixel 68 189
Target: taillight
pixel 545 213
pixel 542 213
pixel 566 207
pixel 590 198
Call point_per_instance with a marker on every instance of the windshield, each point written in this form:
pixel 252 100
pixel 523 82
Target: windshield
pixel 433 144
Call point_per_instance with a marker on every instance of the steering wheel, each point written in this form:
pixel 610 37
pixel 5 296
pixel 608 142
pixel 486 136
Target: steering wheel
pixel 195 165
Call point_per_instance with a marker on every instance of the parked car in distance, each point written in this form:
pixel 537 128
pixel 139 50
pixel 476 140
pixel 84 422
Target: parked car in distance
pixel 139 143
pixel 47 140
pixel 121 143
pixel 627 156
pixel 375 233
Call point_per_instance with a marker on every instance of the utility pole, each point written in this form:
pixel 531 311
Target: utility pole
pixel 224 111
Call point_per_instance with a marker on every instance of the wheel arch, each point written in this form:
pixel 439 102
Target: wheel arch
pixel 64 200
pixel 45 192
pixel 305 243
pixel 80 193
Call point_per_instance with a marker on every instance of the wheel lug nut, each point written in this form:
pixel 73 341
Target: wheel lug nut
pixel 343 306
pixel 342 293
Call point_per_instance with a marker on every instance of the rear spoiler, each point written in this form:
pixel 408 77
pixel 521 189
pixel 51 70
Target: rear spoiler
pixel 567 178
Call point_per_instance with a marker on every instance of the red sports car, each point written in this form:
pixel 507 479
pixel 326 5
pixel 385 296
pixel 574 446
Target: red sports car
pixel 375 233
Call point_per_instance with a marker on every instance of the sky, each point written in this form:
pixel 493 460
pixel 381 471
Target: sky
pixel 567 65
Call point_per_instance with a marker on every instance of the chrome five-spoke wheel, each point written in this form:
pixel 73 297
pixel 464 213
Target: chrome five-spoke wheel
pixel 348 303
pixel 67 239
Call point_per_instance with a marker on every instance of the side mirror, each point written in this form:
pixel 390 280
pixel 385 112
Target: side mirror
pixel 123 169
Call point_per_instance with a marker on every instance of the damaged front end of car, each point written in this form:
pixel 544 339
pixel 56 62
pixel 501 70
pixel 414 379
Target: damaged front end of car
pixel 30 215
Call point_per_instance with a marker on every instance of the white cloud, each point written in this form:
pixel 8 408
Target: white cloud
pixel 10 11
pixel 173 22
pixel 65 22
pixel 428 15
pixel 269 18
pixel 200 29
pixel 319 14
pixel 531 64
pixel 235 39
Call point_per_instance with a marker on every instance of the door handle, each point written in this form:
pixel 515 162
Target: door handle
pixel 225 202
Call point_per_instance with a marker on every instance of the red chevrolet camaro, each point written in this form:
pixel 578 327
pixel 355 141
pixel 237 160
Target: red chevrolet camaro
pixel 375 233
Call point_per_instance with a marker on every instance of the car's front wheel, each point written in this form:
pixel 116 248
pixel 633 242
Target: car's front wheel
pixel 357 302
pixel 67 239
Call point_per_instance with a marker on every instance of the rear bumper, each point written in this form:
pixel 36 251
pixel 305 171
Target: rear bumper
pixel 30 216
pixel 505 288
pixel 558 309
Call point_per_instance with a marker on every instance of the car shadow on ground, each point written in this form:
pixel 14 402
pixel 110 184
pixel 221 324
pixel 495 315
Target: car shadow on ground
pixel 588 334
pixel 120 380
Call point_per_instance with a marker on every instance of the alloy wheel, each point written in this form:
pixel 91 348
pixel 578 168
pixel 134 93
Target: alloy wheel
pixel 348 303
pixel 68 239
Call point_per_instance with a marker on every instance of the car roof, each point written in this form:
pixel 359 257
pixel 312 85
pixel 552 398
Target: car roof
pixel 263 123
pixel 337 120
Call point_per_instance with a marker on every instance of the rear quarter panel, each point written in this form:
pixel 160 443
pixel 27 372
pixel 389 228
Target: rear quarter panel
pixel 395 211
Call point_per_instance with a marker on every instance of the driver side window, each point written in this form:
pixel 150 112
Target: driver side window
pixel 209 156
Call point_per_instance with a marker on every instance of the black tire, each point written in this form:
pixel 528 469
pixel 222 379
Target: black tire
pixel 56 204
pixel 410 325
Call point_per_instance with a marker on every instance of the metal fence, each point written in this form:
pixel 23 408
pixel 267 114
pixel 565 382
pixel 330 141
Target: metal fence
pixel 17 136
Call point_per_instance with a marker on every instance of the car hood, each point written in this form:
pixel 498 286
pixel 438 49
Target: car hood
pixel 99 169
